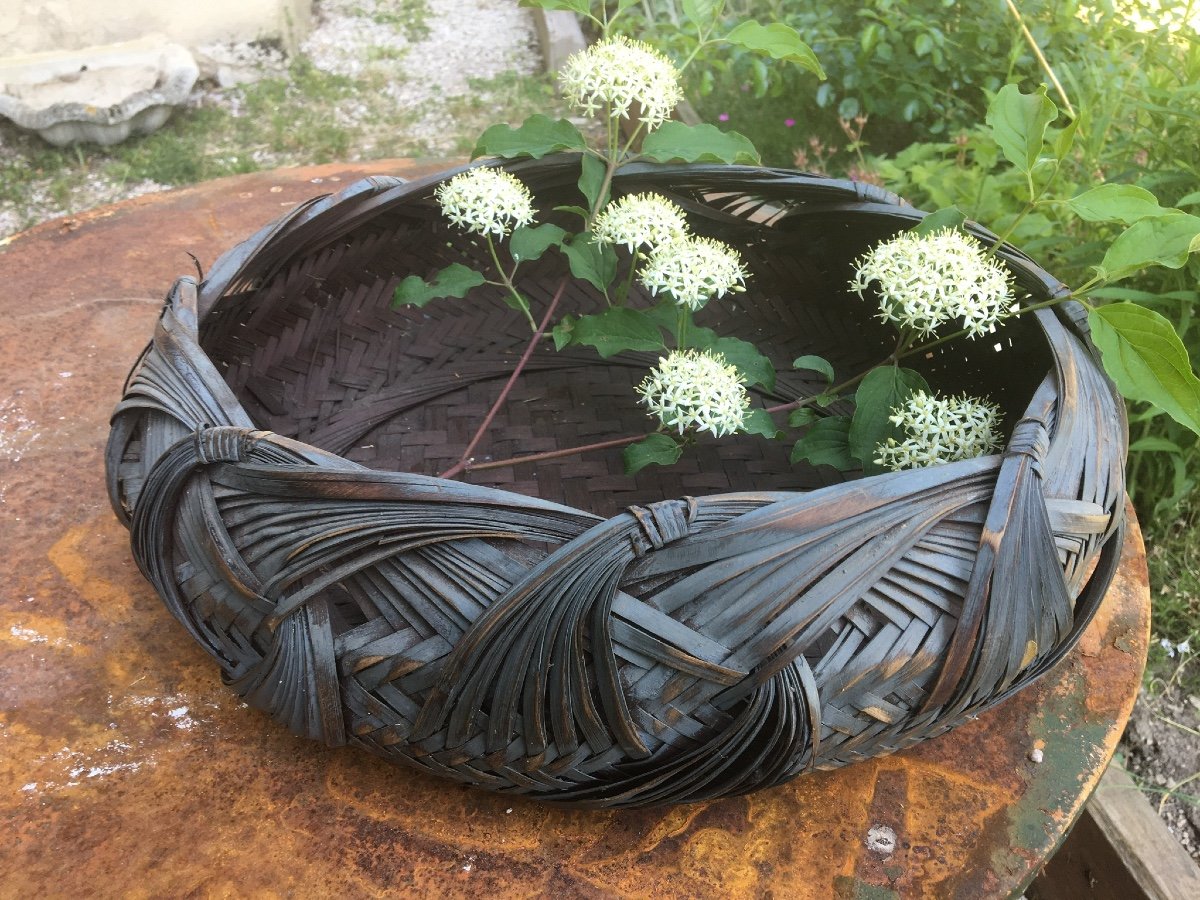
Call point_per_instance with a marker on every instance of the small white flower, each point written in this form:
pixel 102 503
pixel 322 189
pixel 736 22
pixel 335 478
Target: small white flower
pixel 693 269
pixel 1166 644
pixel 1184 647
pixel 619 72
pixel 940 430
pixel 690 389
pixel 640 220
pixel 486 201
pixel 926 280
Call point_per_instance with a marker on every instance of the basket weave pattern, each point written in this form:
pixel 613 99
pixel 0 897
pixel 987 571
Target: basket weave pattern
pixel 563 630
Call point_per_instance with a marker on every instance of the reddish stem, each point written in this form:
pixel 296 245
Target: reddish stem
pixel 552 454
pixel 463 461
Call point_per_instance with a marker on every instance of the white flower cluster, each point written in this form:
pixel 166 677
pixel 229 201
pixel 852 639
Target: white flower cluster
pixel 940 430
pixel 690 389
pixel 693 269
pixel 619 72
pixel 925 280
pixel 640 220
pixel 486 201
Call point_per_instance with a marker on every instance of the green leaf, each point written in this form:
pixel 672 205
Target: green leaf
pixel 1152 444
pixel 617 328
pixel 700 13
pixel 676 142
pixel 577 210
pixel 798 418
pixel 826 444
pixel 527 244
pixel 742 355
pixel 884 389
pixel 453 281
pixel 537 136
pixel 759 421
pixel 665 314
pixel 1190 199
pixel 777 41
pixel 1018 122
pixel 563 332
pixel 590 261
pixel 946 217
pixel 1065 139
pixel 653 450
pixel 579 7
pixel 1160 241
pixel 1146 360
pixel 591 179
pixel 1115 203
pixel 815 364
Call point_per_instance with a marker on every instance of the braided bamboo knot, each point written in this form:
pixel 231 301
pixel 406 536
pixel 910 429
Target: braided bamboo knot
pixel 768 621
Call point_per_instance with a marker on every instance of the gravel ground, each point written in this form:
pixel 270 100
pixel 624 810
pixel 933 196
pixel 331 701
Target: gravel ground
pixel 423 61
pixel 457 41
pixel 1161 749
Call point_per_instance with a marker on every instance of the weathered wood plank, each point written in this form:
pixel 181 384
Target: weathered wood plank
pixel 1120 849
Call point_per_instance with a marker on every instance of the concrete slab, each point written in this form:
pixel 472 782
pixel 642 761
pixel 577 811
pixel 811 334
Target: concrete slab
pixel 98 94
pixel 128 769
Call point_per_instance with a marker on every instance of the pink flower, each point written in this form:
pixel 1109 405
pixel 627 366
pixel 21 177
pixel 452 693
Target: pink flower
pixel 723 117
pixel 789 122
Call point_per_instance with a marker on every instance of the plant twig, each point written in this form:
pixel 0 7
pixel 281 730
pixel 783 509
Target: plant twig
pixel 551 454
pixel 463 461
pixel 1037 51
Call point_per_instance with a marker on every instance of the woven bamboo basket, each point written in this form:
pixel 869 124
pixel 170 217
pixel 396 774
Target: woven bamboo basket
pixel 559 629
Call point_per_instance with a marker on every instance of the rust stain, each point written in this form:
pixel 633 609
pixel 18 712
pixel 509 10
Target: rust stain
pixel 74 555
pixel 121 751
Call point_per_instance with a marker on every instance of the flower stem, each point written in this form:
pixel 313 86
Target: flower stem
pixel 627 287
pixel 836 389
pixel 522 303
pixel 1034 200
pixel 610 166
pixel 551 454
pixel 950 337
pixel 465 459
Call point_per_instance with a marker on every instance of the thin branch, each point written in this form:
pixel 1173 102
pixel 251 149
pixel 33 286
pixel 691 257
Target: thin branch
pixel 551 454
pixel 461 465
pixel 1037 51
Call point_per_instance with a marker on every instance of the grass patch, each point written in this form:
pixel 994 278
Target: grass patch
pixel 1173 556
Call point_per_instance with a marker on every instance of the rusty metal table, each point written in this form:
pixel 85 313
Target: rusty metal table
pixel 129 770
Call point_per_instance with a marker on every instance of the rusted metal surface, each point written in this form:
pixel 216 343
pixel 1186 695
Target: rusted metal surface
pixel 128 769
